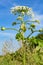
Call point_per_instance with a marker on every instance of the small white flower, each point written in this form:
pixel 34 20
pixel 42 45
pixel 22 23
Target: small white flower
pixel 22 13
pixel 17 8
pixel 28 13
pixel 30 8
pixel 24 8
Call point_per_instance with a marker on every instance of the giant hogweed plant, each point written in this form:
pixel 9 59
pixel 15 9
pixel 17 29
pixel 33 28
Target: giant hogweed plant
pixel 23 12
pixel 25 20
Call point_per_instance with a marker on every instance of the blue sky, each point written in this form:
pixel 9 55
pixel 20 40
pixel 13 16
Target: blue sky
pixel 6 18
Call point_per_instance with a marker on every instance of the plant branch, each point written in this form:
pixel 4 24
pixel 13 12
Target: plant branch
pixel 11 29
pixel 32 33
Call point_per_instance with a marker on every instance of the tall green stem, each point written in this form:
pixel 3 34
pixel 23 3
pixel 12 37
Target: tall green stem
pixel 24 59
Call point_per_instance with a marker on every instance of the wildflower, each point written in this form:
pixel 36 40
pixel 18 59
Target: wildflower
pixel 20 9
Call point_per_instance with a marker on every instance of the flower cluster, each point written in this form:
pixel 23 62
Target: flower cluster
pixel 22 9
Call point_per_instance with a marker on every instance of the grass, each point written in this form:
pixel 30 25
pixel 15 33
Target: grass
pixel 31 55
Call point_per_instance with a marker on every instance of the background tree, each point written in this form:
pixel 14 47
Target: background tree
pixel 8 47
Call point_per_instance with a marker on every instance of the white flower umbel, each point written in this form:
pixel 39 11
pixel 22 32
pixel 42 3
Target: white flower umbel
pixel 22 9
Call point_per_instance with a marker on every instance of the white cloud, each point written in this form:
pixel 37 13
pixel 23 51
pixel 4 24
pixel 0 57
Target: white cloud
pixel 40 25
pixel 39 17
pixel 7 34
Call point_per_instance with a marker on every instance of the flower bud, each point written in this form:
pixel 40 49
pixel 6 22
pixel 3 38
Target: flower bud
pixel 41 30
pixel 3 28
pixel 33 25
pixel 37 21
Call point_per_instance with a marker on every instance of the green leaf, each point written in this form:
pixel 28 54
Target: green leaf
pixel 19 36
pixel 14 23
